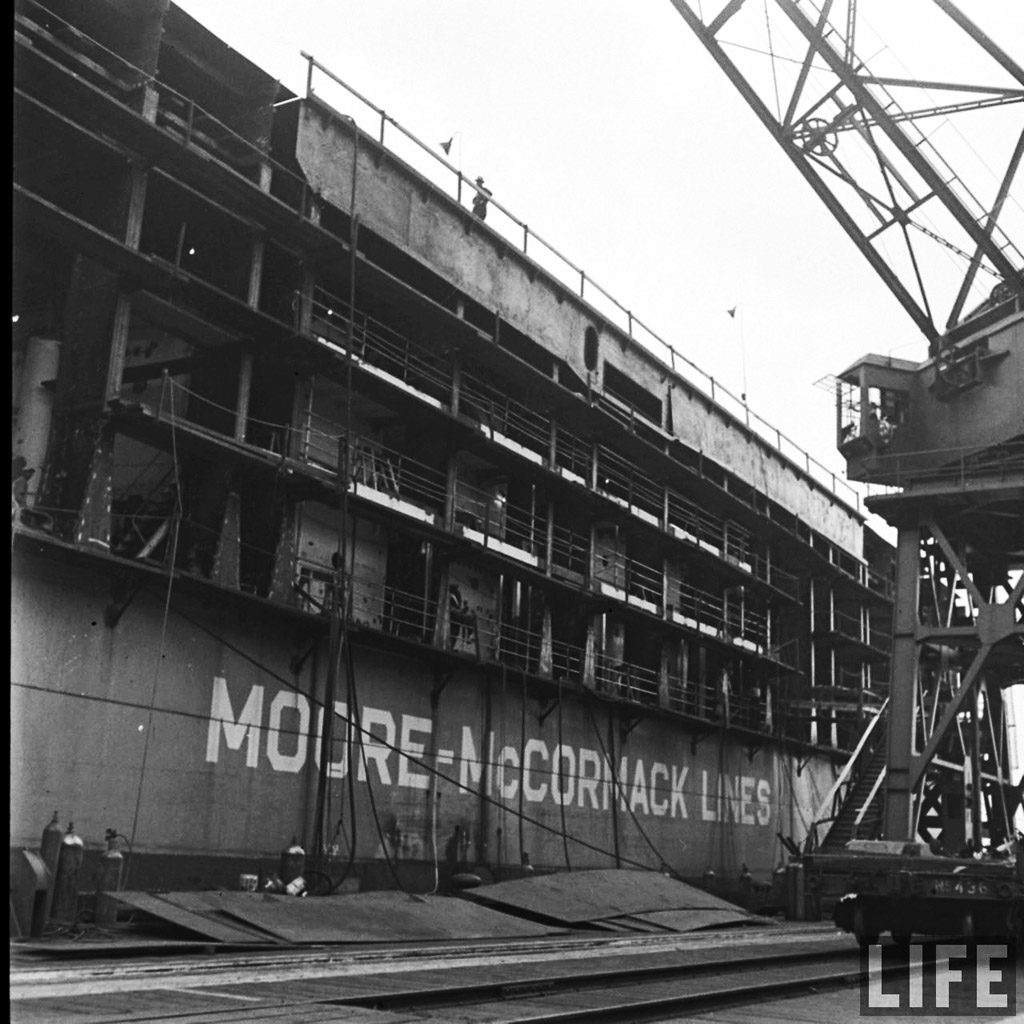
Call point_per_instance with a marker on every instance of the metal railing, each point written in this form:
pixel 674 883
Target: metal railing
pixel 378 345
pixel 498 413
pixel 625 680
pixel 573 454
pixel 196 126
pixel 590 291
pixel 147 535
pixel 957 466
pixel 177 114
pixel 617 477
pixel 570 551
pixel 744 623
pixel 850 627
pixel 719 703
pixel 388 471
pixel 492 515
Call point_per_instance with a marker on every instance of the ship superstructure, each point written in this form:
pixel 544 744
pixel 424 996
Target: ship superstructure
pixel 296 430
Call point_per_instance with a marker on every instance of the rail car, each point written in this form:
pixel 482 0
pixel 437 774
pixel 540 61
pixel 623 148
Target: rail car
pixel 910 892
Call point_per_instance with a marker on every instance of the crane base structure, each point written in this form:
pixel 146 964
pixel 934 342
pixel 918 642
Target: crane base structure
pixel 945 442
pixel 921 835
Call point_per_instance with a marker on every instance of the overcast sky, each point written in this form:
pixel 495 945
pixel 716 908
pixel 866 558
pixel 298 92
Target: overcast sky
pixel 606 126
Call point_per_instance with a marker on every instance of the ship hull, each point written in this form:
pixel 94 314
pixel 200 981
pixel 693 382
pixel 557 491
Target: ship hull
pixel 190 721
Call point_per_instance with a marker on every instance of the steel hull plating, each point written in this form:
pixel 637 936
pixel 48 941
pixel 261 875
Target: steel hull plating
pixel 193 726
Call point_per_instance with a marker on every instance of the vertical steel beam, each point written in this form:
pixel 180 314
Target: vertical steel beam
pixel 899 786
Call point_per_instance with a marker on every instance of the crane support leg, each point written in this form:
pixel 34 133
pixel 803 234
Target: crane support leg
pixel 899 802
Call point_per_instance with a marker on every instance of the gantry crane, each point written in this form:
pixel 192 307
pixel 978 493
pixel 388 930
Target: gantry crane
pixel 940 441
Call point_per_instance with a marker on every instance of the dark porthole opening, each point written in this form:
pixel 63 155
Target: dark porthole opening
pixel 590 349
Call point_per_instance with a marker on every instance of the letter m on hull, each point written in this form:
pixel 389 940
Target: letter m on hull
pixel 243 729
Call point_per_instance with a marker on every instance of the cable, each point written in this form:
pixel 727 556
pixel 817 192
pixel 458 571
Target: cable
pixel 369 785
pixel 163 633
pixel 342 604
pixel 519 813
pixel 435 799
pixel 619 792
pixel 775 77
pixel 419 763
pixel 561 781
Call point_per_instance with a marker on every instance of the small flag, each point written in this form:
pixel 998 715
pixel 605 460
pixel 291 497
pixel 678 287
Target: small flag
pixel 447 146
pixel 732 312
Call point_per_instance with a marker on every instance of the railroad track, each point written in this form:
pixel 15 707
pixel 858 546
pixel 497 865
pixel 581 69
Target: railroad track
pixel 642 991
pixel 573 978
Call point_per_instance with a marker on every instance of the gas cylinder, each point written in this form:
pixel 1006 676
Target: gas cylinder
pixel 49 847
pixel 49 852
pixel 65 886
pixel 293 862
pixel 108 880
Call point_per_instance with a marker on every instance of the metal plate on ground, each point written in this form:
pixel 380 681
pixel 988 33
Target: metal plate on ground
pixel 690 920
pixel 197 916
pixel 375 917
pixel 577 897
pixel 217 905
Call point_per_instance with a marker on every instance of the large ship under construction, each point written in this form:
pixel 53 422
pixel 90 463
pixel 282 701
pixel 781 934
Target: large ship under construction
pixel 338 515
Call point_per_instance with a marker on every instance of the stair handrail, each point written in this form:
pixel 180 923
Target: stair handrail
pixel 826 804
pixel 861 814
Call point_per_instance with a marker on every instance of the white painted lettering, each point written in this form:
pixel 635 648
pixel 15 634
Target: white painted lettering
pixel 508 786
pixel 659 807
pixel 638 794
pixel 747 799
pixel 729 798
pixel 622 782
pixel 764 802
pixel 335 769
pixel 706 813
pixel 469 760
pixel 244 729
pixel 406 776
pixel 533 793
pixel 563 780
pixel 678 800
pixel 288 700
pixel 588 781
pixel 373 749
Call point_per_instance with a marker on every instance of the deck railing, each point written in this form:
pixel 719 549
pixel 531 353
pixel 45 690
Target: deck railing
pixel 428 161
pixel 196 127
pixel 377 345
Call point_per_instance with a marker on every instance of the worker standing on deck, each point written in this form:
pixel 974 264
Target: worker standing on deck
pixel 480 199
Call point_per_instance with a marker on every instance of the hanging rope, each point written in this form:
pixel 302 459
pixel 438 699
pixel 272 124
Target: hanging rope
pixel 163 636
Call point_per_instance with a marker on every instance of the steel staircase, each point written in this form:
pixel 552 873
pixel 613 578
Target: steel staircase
pixel 852 807
pixel 860 813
